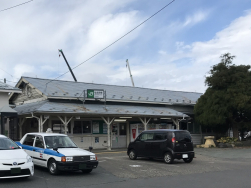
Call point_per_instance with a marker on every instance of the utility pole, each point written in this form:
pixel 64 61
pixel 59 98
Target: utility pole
pixel 127 64
pixel 68 65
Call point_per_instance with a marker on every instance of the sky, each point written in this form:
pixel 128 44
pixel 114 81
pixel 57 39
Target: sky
pixel 174 50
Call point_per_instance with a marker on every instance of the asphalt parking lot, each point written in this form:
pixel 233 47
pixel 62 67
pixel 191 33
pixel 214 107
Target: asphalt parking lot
pixel 115 169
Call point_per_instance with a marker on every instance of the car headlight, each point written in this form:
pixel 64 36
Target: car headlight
pixel 69 159
pixel 66 159
pixel 29 159
pixel 93 157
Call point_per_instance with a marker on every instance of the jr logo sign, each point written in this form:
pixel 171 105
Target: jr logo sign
pixel 95 94
pixel 90 93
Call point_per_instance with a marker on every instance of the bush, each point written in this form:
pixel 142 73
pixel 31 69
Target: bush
pixel 227 140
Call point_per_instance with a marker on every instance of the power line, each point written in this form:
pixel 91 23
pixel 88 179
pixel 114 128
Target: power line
pixel 16 6
pixel 6 72
pixel 115 40
pixel 8 81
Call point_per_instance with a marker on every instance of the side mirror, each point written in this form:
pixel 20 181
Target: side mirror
pixel 55 149
pixel 90 148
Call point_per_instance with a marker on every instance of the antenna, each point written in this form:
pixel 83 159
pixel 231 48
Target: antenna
pixel 68 65
pixel 127 65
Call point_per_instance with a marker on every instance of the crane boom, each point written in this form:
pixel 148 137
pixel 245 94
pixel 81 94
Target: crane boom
pixel 68 65
pixel 127 64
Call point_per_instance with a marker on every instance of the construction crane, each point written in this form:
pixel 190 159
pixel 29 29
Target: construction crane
pixel 68 65
pixel 127 64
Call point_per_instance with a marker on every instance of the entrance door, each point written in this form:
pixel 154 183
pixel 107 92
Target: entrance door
pixel 118 135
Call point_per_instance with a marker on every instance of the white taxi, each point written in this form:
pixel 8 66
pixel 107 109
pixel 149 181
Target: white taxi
pixel 57 152
pixel 14 162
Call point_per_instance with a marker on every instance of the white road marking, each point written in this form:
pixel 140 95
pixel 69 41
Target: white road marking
pixel 135 165
pixel 108 157
pixel 102 161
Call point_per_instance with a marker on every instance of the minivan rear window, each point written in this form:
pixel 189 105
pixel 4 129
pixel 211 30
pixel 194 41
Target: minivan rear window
pixel 183 136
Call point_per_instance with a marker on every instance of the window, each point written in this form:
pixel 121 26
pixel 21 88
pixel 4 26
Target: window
pixel 39 142
pixel 146 136
pixel 29 140
pixel 183 136
pixel 81 127
pixel 77 127
pixel 160 136
pixel 122 129
pixel 86 126
pixel 7 144
pixel 59 141
pixel 58 127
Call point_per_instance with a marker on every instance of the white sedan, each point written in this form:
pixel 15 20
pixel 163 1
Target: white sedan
pixel 57 152
pixel 14 162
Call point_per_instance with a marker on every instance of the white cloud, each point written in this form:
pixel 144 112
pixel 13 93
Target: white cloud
pixel 30 41
pixel 200 56
pixel 23 69
pixel 197 17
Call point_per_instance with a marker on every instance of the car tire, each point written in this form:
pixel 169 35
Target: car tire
pixel 168 158
pixel 52 166
pixel 132 155
pixel 87 171
pixel 188 160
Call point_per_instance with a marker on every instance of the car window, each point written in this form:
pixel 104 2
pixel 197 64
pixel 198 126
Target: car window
pixel 7 144
pixel 146 136
pixel 29 140
pixel 59 142
pixel 39 142
pixel 160 136
pixel 183 136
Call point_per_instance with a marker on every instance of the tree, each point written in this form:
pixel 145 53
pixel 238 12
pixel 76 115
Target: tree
pixel 227 100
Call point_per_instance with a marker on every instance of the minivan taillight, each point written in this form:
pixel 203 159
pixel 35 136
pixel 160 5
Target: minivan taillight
pixel 173 140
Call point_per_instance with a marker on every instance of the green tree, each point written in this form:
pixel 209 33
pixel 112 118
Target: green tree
pixel 227 100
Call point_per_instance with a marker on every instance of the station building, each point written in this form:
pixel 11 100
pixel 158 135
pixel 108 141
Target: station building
pixel 99 115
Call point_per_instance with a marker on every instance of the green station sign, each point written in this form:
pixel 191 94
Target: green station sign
pixel 95 94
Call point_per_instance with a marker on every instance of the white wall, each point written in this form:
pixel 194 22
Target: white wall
pixel 4 99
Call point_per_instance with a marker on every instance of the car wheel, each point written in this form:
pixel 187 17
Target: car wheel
pixel 168 158
pixel 87 170
pixel 188 160
pixel 132 155
pixel 52 166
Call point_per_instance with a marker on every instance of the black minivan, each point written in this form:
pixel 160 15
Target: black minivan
pixel 167 144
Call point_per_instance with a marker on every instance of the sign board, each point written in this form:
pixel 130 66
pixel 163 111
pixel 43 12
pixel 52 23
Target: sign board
pixel 95 94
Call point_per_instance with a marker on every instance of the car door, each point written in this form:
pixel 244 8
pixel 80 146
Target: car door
pixel 158 144
pixel 39 157
pixel 149 147
pixel 140 144
pixel 28 143
pixel 143 144
pixel 183 141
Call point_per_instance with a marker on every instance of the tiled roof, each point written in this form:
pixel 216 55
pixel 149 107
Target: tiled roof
pixel 71 89
pixel 4 86
pixel 96 109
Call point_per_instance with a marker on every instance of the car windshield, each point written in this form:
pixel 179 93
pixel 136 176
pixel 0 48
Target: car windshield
pixel 183 136
pixel 8 144
pixel 59 142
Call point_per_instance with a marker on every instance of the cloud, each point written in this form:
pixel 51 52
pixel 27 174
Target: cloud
pixel 197 17
pixel 107 29
pixel 190 63
pixel 158 54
